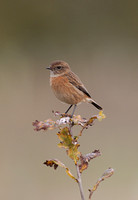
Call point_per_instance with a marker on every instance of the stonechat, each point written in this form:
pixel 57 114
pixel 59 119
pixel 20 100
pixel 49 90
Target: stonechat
pixel 67 86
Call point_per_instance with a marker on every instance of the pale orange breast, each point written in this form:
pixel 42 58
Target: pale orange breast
pixel 65 91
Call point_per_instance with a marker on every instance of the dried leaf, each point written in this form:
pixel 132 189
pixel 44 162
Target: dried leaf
pixel 87 124
pixel 90 122
pixel 92 155
pixel 57 163
pixel 65 138
pixel 57 113
pixel 83 165
pixel 86 158
pixel 44 125
pixel 51 163
pixel 66 119
pixel 69 143
pixel 101 116
pixel 73 153
pixel 109 172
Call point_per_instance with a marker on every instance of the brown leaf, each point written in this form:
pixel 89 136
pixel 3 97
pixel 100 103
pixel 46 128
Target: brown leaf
pixel 66 119
pixel 86 158
pixel 44 125
pixel 109 172
pixel 57 163
pixel 51 163
pixel 90 122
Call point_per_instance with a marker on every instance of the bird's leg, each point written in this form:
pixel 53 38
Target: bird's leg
pixel 73 110
pixel 68 109
pixel 71 122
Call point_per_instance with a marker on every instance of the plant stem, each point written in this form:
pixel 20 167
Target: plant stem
pixel 80 182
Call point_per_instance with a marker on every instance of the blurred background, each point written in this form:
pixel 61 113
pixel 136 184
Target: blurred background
pixel 99 41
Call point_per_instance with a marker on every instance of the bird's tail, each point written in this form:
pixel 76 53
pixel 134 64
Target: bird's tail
pixel 94 103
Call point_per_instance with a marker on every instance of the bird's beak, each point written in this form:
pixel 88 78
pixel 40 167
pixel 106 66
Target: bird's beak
pixel 48 68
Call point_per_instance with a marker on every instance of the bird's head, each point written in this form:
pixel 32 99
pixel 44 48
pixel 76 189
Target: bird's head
pixel 58 68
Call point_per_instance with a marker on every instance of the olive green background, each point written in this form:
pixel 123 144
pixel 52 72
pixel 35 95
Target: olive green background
pixel 99 41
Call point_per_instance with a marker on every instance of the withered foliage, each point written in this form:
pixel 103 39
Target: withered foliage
pixel 108 173
pixel 70 143
pixel 51 163
pixel 57 163
pixel 67 142
pixel 84 159
pixel 66 119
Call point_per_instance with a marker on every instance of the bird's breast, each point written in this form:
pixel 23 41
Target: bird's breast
pixel 65 91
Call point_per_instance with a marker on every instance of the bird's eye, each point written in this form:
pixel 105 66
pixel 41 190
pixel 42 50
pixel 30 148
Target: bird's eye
pixel 59 67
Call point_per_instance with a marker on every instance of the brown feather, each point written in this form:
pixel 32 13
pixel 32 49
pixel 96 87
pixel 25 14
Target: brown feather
pixel 75 81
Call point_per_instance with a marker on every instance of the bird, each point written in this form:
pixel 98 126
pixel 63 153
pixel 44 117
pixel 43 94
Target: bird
pixel 67 86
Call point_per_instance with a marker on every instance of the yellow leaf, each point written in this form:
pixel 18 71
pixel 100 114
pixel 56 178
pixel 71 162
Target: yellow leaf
pixel 101 116
pixel 57 163
pixel 65 138
pixel 67 142
pixel 73 153
pixel 70 174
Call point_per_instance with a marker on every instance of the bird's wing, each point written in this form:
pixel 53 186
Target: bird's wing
pixel 76 82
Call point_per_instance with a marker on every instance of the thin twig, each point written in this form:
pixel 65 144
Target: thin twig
pixel 108 173
pixel 71 124
pixel 80 182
